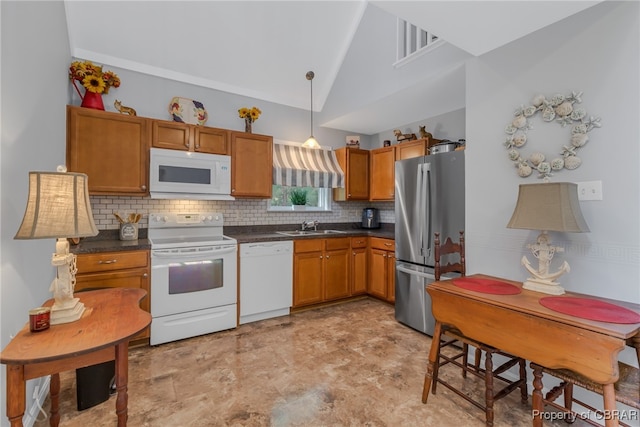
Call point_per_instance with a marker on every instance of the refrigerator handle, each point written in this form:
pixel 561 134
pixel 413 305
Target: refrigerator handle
pixel 426 214
pixel 420 201
pixel 399 267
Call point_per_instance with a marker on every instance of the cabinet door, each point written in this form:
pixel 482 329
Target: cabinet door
pixel 251 165
pixel 358 182
pixel 391 276
pixel 336 274
pixel 358 271
pixel 410 149
pixel 355 164
pixel 382 172
pixel 307 278
pixel 171 135
pixel 112 149
pixel 211 140
pixel 130 278
pixel 378 273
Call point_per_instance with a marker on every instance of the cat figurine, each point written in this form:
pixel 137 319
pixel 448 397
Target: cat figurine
pixel 124 109
pixel 423 132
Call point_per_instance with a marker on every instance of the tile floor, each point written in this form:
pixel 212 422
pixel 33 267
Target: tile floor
pixel 349 364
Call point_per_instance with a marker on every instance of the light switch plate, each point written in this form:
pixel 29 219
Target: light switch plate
pixel 590 190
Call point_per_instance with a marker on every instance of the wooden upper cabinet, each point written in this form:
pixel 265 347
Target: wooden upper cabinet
pixel 182 136
pixel 382 172
pixel 251 165
pixel 111 148
pixel 211 140
pixel 415 148
pixel 355 165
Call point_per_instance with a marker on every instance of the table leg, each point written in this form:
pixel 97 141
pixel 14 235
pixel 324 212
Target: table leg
pixel 16 394
pixel 122 374
pixel 54 394
pixel 536 397
pixel 610 411
pixel 433 359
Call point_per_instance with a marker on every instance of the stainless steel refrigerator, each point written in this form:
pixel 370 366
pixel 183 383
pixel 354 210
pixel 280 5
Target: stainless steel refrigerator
pixel 429 198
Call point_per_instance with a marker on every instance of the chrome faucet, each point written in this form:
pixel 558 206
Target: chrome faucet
pixel 307 225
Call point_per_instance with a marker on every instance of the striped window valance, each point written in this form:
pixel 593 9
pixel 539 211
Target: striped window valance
pixel 297 166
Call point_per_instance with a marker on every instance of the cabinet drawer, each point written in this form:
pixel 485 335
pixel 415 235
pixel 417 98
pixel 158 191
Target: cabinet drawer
pixel 359 242
pixel 385 244
pixel 310 245
pixel 108 261
pixel 337 243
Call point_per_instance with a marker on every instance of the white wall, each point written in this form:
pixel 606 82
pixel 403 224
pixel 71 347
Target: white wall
pixel 34 95
pixel 597 52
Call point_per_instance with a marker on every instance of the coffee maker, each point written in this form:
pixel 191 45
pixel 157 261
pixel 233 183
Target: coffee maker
pixel 370 218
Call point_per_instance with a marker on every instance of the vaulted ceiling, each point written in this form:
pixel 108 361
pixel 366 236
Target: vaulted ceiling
pixel 263 49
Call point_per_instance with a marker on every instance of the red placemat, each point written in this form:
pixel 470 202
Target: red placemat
pixel 591 309
pixel 486 286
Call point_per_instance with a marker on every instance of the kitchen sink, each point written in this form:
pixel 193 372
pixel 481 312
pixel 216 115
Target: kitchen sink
pixel 309 232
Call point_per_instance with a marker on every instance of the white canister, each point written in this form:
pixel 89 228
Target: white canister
pixel 129 231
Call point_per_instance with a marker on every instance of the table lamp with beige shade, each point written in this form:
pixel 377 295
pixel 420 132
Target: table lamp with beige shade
pixel 547 207
pixel 58 206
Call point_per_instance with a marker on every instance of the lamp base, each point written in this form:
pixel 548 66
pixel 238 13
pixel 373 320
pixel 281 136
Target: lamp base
pixel 544 286
pixel 70 312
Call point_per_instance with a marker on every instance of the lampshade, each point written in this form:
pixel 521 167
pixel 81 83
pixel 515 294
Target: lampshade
pixel 311 142
pixel 552 206
pixel 57 206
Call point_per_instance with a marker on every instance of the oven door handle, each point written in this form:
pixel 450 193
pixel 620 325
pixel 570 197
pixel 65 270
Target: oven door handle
pixel 193 254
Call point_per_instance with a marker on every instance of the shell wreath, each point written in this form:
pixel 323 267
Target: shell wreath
pixel 562 109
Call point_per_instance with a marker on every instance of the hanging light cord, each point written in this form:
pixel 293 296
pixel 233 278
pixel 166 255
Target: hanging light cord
pixel 310 76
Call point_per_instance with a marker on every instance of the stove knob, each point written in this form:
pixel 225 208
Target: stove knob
pixel 164 218
pixel 202 218
pixel 210 218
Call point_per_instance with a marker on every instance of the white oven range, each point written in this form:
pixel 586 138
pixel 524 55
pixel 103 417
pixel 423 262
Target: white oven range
pixel 194 287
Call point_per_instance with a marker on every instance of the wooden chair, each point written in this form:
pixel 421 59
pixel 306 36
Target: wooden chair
pixel 627 389
pixel 451 337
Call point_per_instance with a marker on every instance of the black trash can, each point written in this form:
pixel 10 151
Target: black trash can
pixel 94 384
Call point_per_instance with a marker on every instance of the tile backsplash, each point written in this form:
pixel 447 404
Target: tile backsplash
pixel 236 213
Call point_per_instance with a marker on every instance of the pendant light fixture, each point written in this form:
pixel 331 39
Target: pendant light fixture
pixel 311 142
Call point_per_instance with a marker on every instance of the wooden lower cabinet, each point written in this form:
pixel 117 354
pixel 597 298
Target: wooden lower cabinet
pixel 359 265
pixel 382 268
pixel 320 270
pixel 122 269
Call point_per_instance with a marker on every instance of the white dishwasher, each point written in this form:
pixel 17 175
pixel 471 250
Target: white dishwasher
pixel 266 280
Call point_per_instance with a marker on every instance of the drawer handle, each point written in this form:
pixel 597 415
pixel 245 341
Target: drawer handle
pixel 112 261
pixel 388 244
pixel 145 275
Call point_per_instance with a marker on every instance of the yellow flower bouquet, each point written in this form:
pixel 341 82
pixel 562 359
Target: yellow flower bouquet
pixel 249 115
pixel 92 77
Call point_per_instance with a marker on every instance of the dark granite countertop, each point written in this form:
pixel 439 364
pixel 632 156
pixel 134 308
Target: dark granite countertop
pixel 108 240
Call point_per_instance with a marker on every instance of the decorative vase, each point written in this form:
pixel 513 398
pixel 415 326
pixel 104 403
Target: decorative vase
pixel 247 125
pixel 92 100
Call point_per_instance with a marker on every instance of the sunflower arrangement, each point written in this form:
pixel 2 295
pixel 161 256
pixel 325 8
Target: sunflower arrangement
pixel 92 77
pixel 249 114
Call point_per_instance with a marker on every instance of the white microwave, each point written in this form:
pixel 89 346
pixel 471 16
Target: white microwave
pixel 176 174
